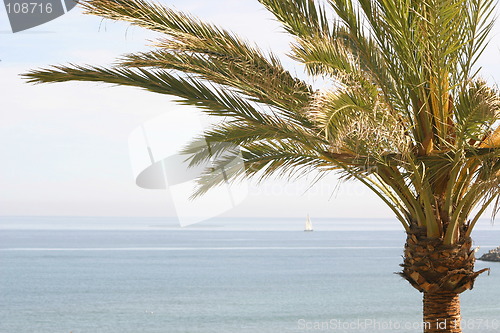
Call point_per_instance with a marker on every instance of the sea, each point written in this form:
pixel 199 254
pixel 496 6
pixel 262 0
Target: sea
pixel 232 275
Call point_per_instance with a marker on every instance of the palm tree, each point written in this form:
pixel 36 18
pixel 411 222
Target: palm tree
pixel 406 113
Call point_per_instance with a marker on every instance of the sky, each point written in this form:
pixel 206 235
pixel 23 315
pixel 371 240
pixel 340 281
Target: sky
pixel 65 147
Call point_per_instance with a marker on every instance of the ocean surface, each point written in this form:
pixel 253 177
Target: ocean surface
pixel 84 275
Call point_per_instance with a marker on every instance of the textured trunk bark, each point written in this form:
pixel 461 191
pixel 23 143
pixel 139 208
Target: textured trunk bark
pixel 433 267
pixel 441 312
pixel 441 272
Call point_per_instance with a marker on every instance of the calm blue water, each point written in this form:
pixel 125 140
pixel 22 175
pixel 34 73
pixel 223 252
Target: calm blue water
pixel 219 281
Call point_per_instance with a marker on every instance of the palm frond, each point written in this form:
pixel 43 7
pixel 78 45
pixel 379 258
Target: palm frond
pixel 262 159
pixel 193 46
pixel 270 84
pixel 189 90
pixel 476 111
pixel 302 18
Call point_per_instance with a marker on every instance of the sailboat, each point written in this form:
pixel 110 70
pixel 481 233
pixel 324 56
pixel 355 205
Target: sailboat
pixel 309 226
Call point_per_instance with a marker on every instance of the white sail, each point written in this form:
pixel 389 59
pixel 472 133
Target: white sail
pixel 309 226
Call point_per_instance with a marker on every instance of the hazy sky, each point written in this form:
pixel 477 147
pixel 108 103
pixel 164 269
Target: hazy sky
pixel 64 147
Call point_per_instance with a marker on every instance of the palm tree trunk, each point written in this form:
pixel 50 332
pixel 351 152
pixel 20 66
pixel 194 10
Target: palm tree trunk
pixel 441 272
pixel 441 312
